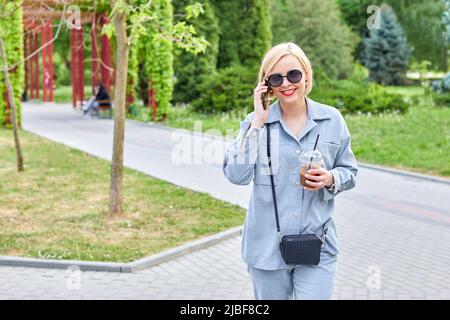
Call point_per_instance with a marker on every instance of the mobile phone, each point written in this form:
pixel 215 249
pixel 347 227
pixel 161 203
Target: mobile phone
pixel 264 96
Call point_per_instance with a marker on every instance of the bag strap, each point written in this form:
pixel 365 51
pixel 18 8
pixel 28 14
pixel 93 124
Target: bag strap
pixel 274 196
pixel 325 230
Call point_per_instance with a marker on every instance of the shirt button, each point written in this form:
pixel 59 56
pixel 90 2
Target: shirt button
pixel 298 151
pixel 295 214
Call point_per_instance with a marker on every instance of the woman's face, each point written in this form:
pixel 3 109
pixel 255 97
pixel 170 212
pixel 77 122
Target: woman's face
pixel 284 92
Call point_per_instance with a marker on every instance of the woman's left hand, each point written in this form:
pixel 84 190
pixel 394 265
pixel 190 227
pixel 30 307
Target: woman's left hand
pixel 318 178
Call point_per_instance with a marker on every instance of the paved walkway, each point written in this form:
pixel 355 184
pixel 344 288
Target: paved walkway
pixel 393 230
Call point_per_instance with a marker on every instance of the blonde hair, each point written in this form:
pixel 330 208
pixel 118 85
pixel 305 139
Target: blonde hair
pixel 277 52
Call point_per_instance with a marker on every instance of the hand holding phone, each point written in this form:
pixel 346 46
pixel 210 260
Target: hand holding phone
pixel 264 96
pixel 261 104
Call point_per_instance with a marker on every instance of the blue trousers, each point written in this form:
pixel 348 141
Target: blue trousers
pixel 296 282
pixel 90 104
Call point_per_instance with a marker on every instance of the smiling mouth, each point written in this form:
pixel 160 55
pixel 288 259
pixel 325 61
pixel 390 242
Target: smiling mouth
pixel 288 92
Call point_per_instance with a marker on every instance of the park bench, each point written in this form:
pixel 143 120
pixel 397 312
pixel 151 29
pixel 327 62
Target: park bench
pixel 103 109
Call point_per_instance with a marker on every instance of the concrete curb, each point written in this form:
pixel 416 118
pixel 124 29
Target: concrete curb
pixel 184 249
pixel 63 264
pixel 405 173
pixel 136 265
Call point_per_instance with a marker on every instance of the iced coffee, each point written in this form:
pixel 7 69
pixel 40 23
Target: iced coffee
pixel 309 159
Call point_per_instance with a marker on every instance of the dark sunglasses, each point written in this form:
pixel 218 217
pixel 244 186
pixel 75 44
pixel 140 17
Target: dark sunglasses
pixel 276 79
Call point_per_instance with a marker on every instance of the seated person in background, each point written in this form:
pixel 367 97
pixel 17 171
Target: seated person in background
pixel 101 98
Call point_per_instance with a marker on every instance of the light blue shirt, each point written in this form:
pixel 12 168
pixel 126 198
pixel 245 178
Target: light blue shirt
pixel 300 211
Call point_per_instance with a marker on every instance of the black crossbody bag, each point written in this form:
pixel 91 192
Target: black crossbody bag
pixel 296 249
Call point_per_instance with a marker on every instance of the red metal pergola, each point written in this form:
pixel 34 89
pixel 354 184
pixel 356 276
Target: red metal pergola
pixel 38 21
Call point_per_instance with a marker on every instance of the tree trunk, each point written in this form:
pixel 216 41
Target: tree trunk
pixel 12 105
pixel 116 187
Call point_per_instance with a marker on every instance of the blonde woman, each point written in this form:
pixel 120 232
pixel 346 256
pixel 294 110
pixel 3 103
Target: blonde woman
pixel 294 122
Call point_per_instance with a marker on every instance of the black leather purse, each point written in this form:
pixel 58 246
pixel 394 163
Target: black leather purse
pixel 296 249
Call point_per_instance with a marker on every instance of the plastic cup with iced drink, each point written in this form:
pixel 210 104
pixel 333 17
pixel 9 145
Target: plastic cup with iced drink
pixel 309 159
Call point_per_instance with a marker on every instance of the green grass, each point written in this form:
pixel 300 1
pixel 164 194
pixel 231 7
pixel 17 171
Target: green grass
pixel 186 118
pixel 64 93
pixel 418 140
pixel 405 91
pixel 57 208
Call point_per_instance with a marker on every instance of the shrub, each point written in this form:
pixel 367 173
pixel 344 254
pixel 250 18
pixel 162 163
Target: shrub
pixel 440 91
pixel 441 86
pixel 355 95
pixel 441 99
pixel 231 89
pixel 226 90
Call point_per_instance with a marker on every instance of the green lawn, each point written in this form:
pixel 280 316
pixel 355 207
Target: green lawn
pixel 64 93
pixel 418 140
pixel 406 91
pixel 57 207
pixel 185 117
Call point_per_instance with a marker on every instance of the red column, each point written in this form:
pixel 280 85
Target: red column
pixel 34 64
pixel 30 64
pixel 152 100
pixel 25 54
pixel 7 108
pixel 106 56
pixel 77 65
pixel 73 63
pixel 95 62
pixel 80 64
pixel 130 95
pixel 47 61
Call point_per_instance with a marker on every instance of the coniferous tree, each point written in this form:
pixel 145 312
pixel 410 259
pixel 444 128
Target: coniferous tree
pixel 386 52
pixel 421 20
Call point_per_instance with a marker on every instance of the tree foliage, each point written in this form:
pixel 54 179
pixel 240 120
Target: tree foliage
pixel 245 31
pixel 11 29
pixel 191 69
pixel 319 31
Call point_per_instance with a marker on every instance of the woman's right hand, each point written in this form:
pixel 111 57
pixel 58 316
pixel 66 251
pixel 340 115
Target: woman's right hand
pixel 261 114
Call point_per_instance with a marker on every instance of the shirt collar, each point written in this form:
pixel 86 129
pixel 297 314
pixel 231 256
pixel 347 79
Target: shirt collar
pixel 315 111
